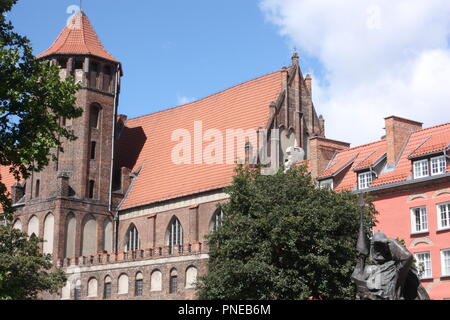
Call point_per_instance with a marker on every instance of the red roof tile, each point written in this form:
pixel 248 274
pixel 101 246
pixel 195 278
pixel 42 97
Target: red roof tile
pixel 7 179
pixel 146 141
pixel 78 37
pixel 421 142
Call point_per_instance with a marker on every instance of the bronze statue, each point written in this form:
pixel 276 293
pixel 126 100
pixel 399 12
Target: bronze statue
pixel 388 273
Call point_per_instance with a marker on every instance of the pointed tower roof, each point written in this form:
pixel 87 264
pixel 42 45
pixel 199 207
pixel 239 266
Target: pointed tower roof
pixel 78 37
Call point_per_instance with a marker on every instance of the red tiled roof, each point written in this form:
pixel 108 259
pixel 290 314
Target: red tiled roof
pixel 7 179
pixel 78 37
pixel 355 158
pixel 146 143
pixel 435 138
pixel 421 142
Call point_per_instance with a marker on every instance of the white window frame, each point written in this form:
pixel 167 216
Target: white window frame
pixel 327 182
pixel 421 168
pixel 365 180
pixel 439 163
pixel 423 220
pixel 439 211
pixel 445 268
pixel 428 272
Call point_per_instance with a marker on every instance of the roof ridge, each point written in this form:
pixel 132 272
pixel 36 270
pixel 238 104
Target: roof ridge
pixel 206 97
pixel 433 127
pixel 362 146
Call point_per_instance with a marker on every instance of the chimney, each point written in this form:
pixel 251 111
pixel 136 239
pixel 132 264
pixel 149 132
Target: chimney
pixel 398 131
pixel 322 151
pixel 308 80
pixel 63 184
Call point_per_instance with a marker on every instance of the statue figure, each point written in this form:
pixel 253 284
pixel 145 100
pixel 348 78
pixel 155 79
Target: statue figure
pixel 389 273
pixel 294 155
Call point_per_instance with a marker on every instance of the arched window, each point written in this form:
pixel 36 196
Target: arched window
pixel 175 235
pixel 89 242
pixel 123 284
pixel 139 284
pixel 173 285
pixel 77 291
pixel 33 226
pixel 49 227
pixel 108 236
pixel 132 241
pixel 18 225
pixel 95 116
pixel 107 288
pixel 65 292
pixel 191 277
pixel 92 288
pixel 217 218
pixel 70 235
pixel 156 281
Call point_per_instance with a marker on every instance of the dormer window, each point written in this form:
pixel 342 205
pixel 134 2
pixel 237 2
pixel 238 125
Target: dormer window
pixel 326 183
pixel 426 167
pixel 421 168
pixel 364 180
pixel 438 165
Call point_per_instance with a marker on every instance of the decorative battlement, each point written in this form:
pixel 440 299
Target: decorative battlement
pixel 137 255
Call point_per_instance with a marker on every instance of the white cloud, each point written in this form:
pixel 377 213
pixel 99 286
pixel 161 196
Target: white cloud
pixel 183 100
pixel 380 58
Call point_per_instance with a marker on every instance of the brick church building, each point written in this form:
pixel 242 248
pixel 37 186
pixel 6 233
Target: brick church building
pixel 126 221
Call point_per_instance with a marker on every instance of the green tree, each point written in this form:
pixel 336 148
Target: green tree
pixel 33 101
pixel 283 238
pixel 24 271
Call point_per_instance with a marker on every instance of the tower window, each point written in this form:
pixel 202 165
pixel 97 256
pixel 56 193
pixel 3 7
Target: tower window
pixel 62 62
pixel 93 146
pixel 94 75
pixel 107 79
pixel 38 186
pixel 95 115
pixel 91 189
pixel 78 65
pixel 173 285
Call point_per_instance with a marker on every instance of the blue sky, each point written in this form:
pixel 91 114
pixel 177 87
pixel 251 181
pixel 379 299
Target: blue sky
pixel 370 59
pixel 171 51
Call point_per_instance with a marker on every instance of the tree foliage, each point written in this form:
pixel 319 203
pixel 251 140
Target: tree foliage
pixel 33 100
pixel 283 238
pixel 24 271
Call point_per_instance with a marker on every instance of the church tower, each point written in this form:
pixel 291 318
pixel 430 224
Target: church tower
pixel 69 203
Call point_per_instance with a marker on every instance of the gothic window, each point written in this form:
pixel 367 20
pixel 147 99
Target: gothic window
pixel 89 240
pixel 77 290
pixel 33 226
pixel 70 235
pixel 132 239
pixel 107 288
pixel 139 285
pixel 191 277
pixel 173 285
pixel 49 226
pixel 18 225
pixel 156 281
pixel 217 218
pixel 108 236
pixel 123 284
pixel 175 235
pixel 92 287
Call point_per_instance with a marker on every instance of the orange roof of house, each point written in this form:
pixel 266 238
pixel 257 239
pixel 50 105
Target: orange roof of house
pixel 7 179
pixel 355 158
pixel 146 145
pixel 78 37
pixel 421 142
